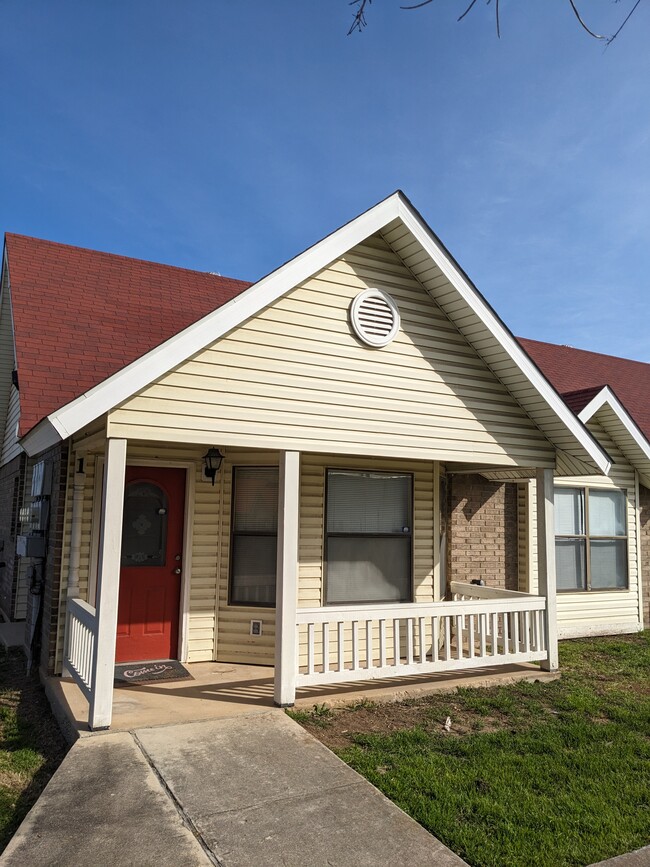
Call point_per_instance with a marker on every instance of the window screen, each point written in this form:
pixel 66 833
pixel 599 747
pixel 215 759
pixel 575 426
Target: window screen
pixel 254 536
pixel 368 537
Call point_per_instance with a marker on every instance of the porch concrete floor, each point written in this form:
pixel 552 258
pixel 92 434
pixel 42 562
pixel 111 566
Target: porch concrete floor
pixel 220 690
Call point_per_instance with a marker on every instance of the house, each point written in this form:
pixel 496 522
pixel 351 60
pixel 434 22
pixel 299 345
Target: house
pixel 202 469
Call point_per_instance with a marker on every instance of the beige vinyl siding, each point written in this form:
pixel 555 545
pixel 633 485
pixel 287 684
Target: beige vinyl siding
pixel 598 612
pixel 470 325
pixel 234 643
pixel 10 446
pixel 295 377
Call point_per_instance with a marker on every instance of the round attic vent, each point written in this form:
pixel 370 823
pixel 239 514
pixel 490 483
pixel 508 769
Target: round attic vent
pixel 375 317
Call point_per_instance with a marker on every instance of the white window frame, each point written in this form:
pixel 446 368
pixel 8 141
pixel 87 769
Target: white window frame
pixel 410 535
pixel 587 538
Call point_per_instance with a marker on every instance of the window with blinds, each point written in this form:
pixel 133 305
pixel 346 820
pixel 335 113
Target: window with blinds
pixel 368 539
pixel 590 539
pixel 254 536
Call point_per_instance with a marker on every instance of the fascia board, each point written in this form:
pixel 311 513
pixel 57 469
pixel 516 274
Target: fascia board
pixel 607 396
pixel 154 364
pixel 475 301
pixel 41 437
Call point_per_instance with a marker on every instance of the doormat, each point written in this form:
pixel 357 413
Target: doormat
pixel 139 673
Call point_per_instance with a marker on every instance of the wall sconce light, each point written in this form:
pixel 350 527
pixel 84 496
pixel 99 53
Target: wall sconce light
pixel 212 459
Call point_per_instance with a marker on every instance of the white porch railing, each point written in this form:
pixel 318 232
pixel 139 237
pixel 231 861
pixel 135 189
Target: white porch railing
pixel 79 651
pixel 347 643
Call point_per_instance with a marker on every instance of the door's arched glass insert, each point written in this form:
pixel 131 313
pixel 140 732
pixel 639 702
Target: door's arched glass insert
pixel 144 530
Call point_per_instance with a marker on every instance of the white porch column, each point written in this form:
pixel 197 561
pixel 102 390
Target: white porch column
pixel 546 562
pixel 286 650
pixel 108 585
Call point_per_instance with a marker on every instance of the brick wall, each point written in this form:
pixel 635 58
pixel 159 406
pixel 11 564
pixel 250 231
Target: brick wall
pixel 482 528
pixel 12 485
pixel 644 500
pixel 49 572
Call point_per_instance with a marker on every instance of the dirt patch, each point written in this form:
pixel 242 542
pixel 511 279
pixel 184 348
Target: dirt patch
pixel 337 728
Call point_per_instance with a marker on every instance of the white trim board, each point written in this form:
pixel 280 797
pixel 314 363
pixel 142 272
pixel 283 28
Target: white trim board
pixel 120 386
pixel 633 443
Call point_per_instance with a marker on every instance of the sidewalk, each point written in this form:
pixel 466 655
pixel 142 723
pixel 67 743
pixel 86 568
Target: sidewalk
pixel 254 789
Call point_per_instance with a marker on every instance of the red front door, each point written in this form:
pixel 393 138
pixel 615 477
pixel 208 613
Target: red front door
pixel 150 577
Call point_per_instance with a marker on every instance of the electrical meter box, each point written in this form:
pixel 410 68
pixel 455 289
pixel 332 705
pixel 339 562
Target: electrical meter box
pixel 30 546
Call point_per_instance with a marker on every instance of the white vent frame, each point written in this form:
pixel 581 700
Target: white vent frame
pixel 359 325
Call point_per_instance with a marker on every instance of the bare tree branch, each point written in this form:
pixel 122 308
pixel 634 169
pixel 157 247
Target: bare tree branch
pixel 417 5
pixel 359 21
pixel 467 10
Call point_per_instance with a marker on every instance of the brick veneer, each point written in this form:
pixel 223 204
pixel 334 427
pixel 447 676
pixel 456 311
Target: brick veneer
pixel 482 531
pixel 644 501
pixel 12 486
pixel 50 572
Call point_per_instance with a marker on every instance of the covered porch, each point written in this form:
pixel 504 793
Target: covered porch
pixel 321 653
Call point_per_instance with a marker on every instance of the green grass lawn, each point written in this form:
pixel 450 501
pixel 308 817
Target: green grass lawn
pixel 531 774
pixel 31 746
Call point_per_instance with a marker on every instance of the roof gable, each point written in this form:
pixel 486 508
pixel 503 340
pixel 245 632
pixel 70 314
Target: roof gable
pixel 81 316
pixel 605 408
pixel 429 262
pixel 427 394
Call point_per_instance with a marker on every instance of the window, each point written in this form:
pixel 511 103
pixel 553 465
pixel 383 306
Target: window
pixel 254 536
pixel 590 539
pixel 368 537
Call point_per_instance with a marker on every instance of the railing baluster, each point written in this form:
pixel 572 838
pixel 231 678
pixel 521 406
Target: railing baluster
pixel 435 638
pixel 310 648
pixel 422 639
pixel 459 636
pixel 326 647
pixel 397 647
pixel 506 633
pixel 355 645
pixel 447 638
pixel 409 641
pixel 482 625
pixel 527 631
pixel 340 646
pixel 471 636
pixel 515 637
pixel 369 650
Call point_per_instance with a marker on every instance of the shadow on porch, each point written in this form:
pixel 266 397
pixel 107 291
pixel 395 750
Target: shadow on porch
pixel 221 690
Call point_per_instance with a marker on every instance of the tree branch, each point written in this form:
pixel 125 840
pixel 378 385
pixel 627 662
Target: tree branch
pixel 359 21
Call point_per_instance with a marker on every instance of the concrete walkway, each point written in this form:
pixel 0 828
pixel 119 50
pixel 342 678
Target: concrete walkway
pixel 254 789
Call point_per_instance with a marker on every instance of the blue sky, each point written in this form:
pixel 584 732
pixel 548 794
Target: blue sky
pixel 228 136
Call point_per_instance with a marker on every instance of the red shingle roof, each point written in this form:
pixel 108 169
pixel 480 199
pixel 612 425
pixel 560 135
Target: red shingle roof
pixel 577 370
pixel 81 315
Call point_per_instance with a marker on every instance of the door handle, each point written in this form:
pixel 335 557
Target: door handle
pixel 177 571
